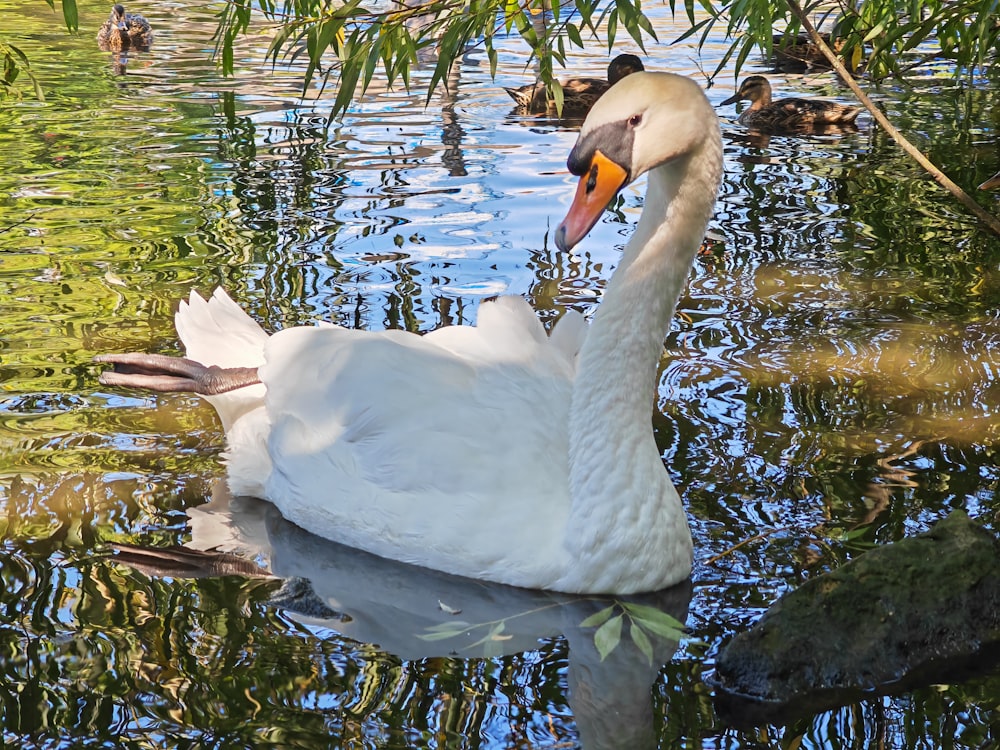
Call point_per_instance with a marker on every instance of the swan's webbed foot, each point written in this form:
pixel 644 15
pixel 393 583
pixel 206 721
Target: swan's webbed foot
pixel 158 372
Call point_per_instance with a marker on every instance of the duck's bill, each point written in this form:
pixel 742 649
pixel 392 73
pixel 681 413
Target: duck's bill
pixel 731 100
pixel 597 187
pixel 991 184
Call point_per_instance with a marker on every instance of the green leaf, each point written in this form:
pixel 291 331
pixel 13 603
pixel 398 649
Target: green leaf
pixel 655 620
pixel 349 74
pixel 876 31
pixel 612 27
pixel 574 35
pixel 491 53
pixel 558 96
pixel 16 50
pixel 608 636
pixel 373 55
pixel 598 618
pixel 71 16
pixel 641 640
pixel 10 69
pixel 227 55
pixel 451 625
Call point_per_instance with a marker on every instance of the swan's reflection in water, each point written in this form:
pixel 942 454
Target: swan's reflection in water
pixel 415 613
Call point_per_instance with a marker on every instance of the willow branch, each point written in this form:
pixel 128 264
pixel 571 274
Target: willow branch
pixel 942 179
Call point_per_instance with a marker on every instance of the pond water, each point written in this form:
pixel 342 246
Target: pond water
pixel 831 383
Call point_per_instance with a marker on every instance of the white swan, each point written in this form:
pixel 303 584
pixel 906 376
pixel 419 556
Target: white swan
pixel 495 451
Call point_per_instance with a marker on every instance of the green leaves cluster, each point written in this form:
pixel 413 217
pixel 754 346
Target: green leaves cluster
pixel 643 622
pixel 491 644
pixel 349 43
pixel 873 36
pixel 16 62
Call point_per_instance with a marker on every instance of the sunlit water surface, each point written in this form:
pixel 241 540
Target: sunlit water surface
pixel 830 383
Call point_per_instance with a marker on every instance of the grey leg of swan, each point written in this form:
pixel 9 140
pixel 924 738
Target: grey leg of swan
pixel 157 372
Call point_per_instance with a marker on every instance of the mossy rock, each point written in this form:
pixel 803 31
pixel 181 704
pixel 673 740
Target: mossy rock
pixel 919 611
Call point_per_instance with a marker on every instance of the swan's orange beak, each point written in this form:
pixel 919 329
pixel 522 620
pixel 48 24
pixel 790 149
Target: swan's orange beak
pixel 597 187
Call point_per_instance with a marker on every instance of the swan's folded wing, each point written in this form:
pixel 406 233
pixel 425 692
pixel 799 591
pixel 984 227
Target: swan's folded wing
pixel 390 438
pixel 569 334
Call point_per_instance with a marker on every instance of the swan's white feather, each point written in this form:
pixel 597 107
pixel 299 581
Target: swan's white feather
pixel 463 418
pixel 218 332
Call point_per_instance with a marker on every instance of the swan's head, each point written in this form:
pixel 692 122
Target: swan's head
pixel 644 121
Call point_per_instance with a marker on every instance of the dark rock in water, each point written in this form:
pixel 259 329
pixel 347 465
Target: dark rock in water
pixel 920 611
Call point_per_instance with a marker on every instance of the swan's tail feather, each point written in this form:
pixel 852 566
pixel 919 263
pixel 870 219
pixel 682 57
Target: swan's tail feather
pixel 523 97
pixel 218 332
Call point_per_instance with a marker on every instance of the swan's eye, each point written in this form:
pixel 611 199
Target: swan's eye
pixel 634 121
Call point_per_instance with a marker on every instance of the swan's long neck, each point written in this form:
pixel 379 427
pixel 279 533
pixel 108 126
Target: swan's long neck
pixel 621 493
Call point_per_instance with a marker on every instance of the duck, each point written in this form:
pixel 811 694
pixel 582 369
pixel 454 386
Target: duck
pixel 124 31
pixel 493 451
pixel 798 54
pixel 788 115
pixel 579 94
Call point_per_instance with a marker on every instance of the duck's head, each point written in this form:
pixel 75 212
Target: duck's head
pixel 622 66
pixel 753 89
pixel 644 121
pixel 118 16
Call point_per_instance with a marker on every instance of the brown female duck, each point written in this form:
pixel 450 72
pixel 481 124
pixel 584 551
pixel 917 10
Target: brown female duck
pixel 124 31
pixel 797 53
pixel 788 115
pixel 579 94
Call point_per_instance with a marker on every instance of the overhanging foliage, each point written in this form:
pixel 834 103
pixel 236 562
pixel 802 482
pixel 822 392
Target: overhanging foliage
pixel 350 43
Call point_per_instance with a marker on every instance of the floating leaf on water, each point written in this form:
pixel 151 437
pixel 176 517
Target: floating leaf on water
pixel 449 626
pixel 440 636
pixel 444 630
pixel 445 608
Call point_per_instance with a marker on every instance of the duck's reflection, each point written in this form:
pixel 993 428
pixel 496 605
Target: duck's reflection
pixel 415 613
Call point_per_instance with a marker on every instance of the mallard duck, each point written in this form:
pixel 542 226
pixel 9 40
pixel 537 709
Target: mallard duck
pixel 492 451
pixel 579 94
pixel 798 54
pixel 124 31
pixel 788 115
